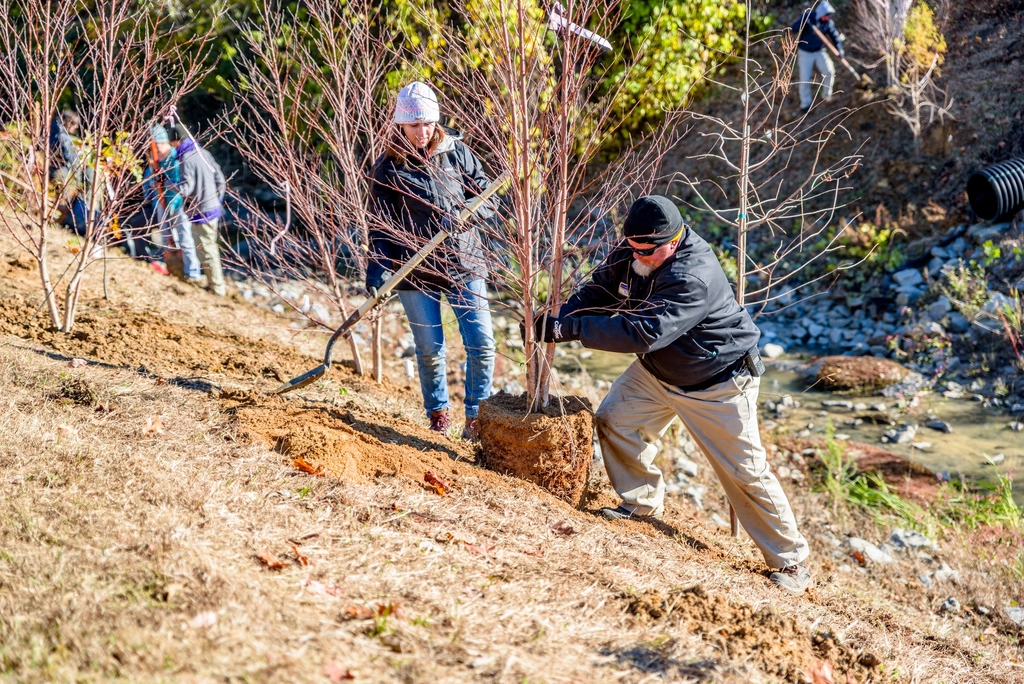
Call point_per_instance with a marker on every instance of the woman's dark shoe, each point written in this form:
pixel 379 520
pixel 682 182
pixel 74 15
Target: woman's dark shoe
pixel 440 421
pixel 471 432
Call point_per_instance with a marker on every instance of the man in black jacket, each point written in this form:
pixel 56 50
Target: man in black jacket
pixel 663 296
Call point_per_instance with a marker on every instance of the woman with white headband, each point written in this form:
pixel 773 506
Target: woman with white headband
pixel 420 184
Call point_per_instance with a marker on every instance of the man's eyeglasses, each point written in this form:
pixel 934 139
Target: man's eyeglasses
pixel 651 250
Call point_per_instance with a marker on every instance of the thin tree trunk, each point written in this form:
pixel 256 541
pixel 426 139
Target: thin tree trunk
pixel 741 220
pixel 48 293
pixel 106 280
pixel 378 349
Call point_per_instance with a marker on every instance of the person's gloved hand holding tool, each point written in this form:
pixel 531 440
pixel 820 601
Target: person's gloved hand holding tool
pixel 376 281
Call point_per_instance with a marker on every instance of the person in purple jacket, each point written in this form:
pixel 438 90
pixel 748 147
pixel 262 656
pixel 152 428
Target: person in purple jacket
pixel 202 186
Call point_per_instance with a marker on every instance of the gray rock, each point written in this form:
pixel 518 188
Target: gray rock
pixel 940 425
pixel 696 493
pixel 798 332
pixel 997 302
pixel 940 252
pixel 1017 408
pixel 774 351
pixel 869 550
pixel 320 312
pixel 958 246
pixel 926 580
pixel 814 330
pixel 906 541
pixel 908 277
pixel 950 605
pixel 687 466
pixel 1016 426
pixel 720 521
pixel 981 232
pixel 860 406
pixel 940 308
pixel 935 265
pixel 1014 614
pixel 843 404
pixel 945 573
pixel 933 328
pixel 902 435
pixel 957 322
pixel 995 460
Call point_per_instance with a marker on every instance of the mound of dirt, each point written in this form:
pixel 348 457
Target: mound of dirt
pixel 858 373
pixel 778 644
pixel 354 445
pixel 552 448
pixel 124 337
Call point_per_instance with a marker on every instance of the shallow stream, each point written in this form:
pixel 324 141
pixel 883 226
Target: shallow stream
pixel 978 433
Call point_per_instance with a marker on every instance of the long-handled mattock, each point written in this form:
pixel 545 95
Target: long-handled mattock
pixel 835 51
pixel 381 294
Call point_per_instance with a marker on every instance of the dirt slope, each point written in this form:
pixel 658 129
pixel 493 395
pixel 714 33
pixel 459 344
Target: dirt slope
pixel 157 531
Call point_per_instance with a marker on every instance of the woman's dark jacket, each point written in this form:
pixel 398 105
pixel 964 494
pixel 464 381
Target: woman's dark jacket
pixel 682 321
pixel 410 200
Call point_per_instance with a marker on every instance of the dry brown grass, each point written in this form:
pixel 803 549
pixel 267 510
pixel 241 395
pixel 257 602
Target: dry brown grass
pixel 129 550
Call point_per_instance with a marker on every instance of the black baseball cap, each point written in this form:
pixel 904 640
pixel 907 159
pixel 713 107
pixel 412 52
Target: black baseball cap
pixel 653 220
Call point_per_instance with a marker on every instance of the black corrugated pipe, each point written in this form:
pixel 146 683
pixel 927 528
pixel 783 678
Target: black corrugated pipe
pixel 997 191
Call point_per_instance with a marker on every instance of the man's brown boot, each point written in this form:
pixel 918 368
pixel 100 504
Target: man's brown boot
pixel 440 421
pixel 796 579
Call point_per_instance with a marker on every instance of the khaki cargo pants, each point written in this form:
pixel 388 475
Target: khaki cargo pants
pixel 723 421
pixel 208 249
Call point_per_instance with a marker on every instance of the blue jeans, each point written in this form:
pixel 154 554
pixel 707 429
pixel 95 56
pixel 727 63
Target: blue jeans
pixel 423 309
pixel 180 228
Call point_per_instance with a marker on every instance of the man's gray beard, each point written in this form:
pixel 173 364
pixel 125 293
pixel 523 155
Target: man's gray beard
pixel 642 270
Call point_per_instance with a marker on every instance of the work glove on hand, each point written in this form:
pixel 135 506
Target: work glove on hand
pixel 552 329
pixel 376 281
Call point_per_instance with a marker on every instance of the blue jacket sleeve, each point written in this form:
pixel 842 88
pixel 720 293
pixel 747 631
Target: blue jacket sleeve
pixel 833 34
pixel 671 311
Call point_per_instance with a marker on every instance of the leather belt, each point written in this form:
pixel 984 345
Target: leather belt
pixel 733 369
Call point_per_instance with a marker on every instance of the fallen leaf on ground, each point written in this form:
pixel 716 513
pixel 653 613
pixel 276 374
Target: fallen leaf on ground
pixel 66 431
pixel 303 560
pixel 821 673
pixel 393 609
pixel 859 557
pixel 539 552
pixel 439 485
pixel 206 619
pixel 337 673
pixel 153 426
pixel 320 589
pixel 78 363
pixel 562 527
pixel 269 561
pixel 307 467
pixel 355 612
pixel 481 549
